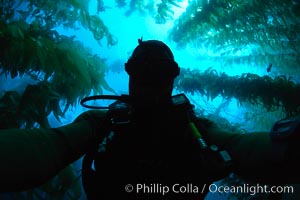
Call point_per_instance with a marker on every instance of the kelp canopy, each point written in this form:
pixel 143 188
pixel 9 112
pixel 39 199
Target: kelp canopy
pixel 63 67
pixel 278 93
pixel 161 11
pixel 271 29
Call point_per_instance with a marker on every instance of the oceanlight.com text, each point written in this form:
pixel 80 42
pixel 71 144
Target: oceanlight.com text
pixel 250 189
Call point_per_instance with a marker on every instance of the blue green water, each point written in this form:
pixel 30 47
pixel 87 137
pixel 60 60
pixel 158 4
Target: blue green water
pixel 127 29
pixel 275 47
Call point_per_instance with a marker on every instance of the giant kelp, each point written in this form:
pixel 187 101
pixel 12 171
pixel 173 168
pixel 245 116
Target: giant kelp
pixel 67 13
pixel 65 70
pixel 70 69
pixel 161 11
pixel 226 27
pixel 253 33
pixel 268 31
pixel 62 68
pixel 225 24
pixel 275 93
pixel 30 45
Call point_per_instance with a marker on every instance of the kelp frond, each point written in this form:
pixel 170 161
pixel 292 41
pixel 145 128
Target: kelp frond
pixel 229 25
pixel 272 93
pixel 70 69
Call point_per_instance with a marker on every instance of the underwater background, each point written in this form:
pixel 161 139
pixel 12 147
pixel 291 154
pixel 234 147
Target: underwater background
pixel 239 64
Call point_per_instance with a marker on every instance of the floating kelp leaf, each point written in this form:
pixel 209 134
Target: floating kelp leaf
pixel 106 86
pixel 111 40
pixel 174 3
pixel 97 27
pixel 80 4
pixel 164 12
pixel 98 90
pixel 84 18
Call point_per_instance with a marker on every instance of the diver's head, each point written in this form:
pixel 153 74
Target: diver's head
pixel 152 70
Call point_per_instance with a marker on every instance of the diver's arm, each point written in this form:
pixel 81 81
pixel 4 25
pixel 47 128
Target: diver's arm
pixel 30 157
pixel 256 157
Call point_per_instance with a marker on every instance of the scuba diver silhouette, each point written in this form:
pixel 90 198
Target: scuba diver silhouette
pixel 148 143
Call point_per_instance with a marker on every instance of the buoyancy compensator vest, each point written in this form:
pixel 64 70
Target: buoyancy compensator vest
pixel 153 152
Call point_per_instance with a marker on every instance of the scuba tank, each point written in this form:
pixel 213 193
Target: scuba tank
pixel 212 163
